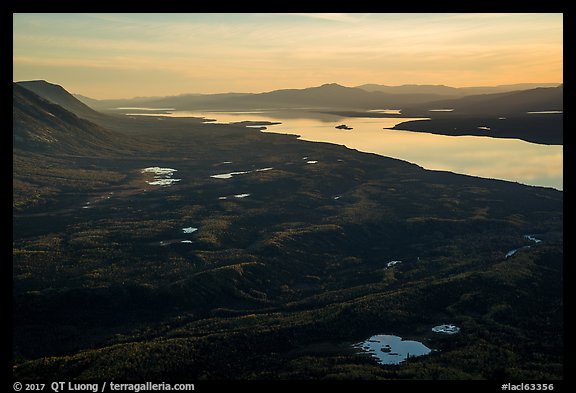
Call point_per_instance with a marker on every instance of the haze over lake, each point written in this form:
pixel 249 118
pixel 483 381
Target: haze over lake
pixel 498 158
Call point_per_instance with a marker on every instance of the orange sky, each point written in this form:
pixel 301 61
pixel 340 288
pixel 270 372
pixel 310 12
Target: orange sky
pixel 127 55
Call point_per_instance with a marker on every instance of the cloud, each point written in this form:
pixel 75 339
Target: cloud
pixel 335 17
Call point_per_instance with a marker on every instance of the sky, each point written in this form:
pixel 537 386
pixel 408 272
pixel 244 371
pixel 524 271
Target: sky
pixel 106 56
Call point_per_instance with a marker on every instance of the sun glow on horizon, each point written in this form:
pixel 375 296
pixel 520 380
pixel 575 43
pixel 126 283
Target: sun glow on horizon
pixel 127 55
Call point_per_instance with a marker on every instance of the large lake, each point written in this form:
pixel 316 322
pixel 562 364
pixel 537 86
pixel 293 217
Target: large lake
pixel 507 159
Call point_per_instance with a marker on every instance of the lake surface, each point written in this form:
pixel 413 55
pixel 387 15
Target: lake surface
pixel 507 159
pixel 388 349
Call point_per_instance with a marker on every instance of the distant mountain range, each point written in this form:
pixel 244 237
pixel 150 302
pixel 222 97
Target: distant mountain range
pixel 327 96
pixel 334 95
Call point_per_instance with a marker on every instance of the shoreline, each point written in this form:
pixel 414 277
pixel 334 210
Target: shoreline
pixel 544 129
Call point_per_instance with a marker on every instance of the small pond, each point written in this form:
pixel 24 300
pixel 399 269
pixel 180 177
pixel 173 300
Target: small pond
pixel 392 263
pixel 389 349
pixel 162 176
pixel 446 329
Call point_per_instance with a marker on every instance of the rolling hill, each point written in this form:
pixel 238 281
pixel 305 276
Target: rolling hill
pixel 55 152
pixel 533 115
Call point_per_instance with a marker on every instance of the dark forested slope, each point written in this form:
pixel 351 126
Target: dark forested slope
pixel 259 256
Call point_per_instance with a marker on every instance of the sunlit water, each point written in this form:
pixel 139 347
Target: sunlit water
pixel 230 174
pixel 162 176
pixel 499 158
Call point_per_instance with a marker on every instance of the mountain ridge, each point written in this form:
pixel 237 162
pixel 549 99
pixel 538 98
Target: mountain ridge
pixel 328 95
pixel 60 96
pixel 44 126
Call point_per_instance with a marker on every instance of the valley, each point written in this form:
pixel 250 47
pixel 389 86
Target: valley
pixel 179 249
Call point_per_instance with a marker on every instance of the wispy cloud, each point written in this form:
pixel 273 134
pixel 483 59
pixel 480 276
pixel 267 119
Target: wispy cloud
pixel 335 17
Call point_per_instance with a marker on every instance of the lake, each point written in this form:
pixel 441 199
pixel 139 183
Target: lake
pixel 498 158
